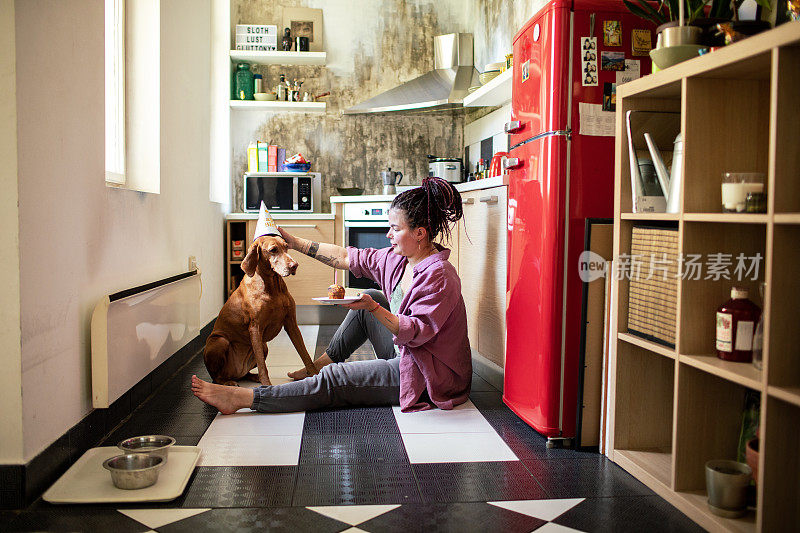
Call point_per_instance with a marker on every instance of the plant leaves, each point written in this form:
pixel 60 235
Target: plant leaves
pixel 645 11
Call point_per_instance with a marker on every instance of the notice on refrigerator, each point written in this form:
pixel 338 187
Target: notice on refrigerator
pixel 595 121
pixel 632 71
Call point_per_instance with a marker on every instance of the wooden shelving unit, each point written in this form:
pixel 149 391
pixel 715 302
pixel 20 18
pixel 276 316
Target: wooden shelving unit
pixel 673 410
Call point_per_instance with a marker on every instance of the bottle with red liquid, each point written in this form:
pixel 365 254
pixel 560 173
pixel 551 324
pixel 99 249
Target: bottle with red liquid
pixel 736 321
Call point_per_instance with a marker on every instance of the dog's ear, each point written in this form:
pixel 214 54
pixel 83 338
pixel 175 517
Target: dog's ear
pixel 251 259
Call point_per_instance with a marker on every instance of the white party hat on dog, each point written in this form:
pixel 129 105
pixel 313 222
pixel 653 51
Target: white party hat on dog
pixel 265 225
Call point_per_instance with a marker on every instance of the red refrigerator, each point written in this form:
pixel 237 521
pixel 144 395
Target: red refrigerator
pixel 562 173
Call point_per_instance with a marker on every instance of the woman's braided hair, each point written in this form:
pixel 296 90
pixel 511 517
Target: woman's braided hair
pixel 433 206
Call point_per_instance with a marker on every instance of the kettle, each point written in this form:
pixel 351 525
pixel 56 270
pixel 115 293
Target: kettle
pixel 390 179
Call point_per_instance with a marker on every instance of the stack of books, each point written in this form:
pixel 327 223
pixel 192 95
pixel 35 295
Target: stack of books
pixel 257 37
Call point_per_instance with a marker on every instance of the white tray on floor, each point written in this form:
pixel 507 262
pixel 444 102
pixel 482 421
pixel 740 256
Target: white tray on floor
pixel 88 482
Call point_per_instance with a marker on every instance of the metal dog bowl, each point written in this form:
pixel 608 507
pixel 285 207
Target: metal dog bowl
pixel 157 445
pixel 134 470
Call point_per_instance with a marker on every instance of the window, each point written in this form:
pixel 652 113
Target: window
pixel 133 94
pixel 115 91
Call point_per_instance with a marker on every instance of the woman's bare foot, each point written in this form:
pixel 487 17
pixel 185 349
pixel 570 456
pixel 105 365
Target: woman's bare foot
pixel 322 360
pixel 225 398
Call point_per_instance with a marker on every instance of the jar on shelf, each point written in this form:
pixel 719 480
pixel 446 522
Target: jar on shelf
pixel 243 82
pixel 258 83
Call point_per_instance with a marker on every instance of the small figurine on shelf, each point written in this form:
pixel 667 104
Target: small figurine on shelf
pixel 286 42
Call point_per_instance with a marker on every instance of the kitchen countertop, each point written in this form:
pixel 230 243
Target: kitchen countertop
pixel 487 183
pixel 281 216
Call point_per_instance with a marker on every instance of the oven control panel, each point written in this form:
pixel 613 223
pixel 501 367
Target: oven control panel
pixel 366 211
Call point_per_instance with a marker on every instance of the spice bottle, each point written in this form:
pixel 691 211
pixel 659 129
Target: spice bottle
pixel 736 320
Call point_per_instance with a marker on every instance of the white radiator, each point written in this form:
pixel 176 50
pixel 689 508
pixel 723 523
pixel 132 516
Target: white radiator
pixel 135 330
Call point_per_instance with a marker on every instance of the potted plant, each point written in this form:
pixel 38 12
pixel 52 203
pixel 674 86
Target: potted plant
pixel 705 14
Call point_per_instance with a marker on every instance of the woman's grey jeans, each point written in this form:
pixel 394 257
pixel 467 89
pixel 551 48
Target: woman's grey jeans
pixel 375 382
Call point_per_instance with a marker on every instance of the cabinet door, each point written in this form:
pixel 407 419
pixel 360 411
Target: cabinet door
pixel 312 278
pixel 482 268
pixel 492 205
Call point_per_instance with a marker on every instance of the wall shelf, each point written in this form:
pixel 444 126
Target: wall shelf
pixel 787 394
pixel 279 57
pixel 496 92
pixel 647 345
pixel 787 218
pixel 283 107
pixel 731 218
pixel 669 217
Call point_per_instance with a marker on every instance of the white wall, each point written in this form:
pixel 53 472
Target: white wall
pixel 79 239
pixel 10 378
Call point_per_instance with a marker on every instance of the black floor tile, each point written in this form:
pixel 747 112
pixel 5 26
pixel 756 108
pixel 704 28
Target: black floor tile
pixel 352 449
pixel 477 482
pixel 257 520
pixel 586 478
pixel 75 518
pixel 240 486
pixel 622 514
pixel 481 385
pixel 355 485
pixel 455 517
pixel 177 402
pixel 351 421
pixel 173 424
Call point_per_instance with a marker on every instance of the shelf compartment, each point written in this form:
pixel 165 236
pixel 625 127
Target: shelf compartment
pixel 701 297
pixel 647 345
pixel 666 217
pixel 782 333
pixel 786 218
pixel 709 420
pixel 741 373
pixel 729 142
pixel 296 107
pixel 786 118
pixel 787 394
pixel 496 92
pixel 695 505
pixel 780 467
pixel 643 413
pixel 728 218
pixel 653 462
pixel 279 57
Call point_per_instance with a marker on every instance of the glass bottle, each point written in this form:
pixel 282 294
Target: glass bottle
pixel 479 170
pixel 736 320
pixel 758 336
pixel 243 82
pixel 280 90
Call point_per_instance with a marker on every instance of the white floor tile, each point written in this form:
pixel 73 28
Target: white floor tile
pixel 544 509
pixel 250 423
pixel 550 527
pixel 456 447
pixel 353 514
pixel 262 450
pixel 155 518
pixel 459 420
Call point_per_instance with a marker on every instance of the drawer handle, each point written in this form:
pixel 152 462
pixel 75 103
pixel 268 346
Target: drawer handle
pixel 493 199
pixel 468 201
pixel 298 225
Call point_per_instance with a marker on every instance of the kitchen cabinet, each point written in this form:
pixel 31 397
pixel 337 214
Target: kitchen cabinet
pixel 312 278
pixel 674 408
pixel 481 259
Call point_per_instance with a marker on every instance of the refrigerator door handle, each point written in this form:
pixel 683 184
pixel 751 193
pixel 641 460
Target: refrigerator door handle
pixel 511 163
pixel 513 126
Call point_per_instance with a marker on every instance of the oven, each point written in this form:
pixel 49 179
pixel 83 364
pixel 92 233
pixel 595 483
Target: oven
pixel 365 226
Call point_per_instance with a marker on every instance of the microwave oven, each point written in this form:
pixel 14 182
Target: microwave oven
pixel 282 191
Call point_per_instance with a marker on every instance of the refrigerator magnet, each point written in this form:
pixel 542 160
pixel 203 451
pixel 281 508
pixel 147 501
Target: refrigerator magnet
pixel 612 33
pixel 525 71
pixel 588 54
pixel 640 42
pixel 612 60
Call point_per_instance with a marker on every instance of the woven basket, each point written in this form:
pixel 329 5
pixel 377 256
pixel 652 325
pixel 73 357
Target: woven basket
pixel 653 289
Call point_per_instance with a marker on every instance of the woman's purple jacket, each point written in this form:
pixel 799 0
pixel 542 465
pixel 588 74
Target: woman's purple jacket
pixel 434 348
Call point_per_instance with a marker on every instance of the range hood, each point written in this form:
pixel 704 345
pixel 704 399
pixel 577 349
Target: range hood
pixel 442 88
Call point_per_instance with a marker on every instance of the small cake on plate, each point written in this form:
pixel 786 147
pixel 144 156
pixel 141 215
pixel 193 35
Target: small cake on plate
pixel 335 292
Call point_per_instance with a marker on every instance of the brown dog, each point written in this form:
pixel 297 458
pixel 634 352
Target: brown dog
pixel 254 314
